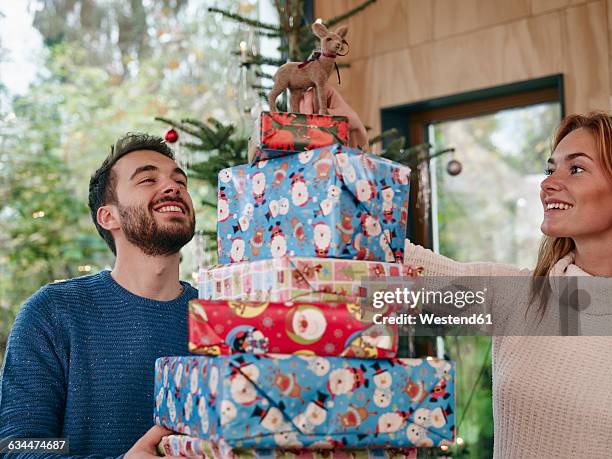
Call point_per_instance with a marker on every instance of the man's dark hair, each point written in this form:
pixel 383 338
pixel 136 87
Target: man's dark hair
pixel 102 185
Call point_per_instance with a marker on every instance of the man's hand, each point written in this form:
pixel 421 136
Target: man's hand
pixel 336 106
pixel 146 446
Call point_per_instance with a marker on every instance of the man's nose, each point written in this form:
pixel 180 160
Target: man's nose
pixel 171 187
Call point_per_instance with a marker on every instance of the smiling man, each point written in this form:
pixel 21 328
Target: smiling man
pixel 80 357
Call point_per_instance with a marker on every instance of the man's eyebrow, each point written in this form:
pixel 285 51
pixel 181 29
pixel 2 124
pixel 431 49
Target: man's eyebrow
pixel 569 157
pixel 148 167
pixel 178 170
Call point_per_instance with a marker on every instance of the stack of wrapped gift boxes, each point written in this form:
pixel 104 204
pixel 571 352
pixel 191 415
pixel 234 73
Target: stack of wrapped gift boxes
pixel 293 361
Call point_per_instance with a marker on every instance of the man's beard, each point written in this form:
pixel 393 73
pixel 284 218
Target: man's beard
pixel 141 229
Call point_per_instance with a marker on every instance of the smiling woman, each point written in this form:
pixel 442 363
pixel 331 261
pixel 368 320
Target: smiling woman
pixel 577 198
pixel 530 351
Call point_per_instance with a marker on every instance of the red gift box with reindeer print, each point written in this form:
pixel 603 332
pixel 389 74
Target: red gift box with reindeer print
pixel 314 328
pixel 331 202
pixel 280 134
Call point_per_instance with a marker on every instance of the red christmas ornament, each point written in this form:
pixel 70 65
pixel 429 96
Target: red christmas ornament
pixel 171 136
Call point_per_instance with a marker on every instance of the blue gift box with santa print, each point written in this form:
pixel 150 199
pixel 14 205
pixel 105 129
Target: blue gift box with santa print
pixel 253 401
pixel 331 202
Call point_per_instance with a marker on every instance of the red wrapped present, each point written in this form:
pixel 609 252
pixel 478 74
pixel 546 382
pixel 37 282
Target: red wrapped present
pixel 325 329
pixel 281 134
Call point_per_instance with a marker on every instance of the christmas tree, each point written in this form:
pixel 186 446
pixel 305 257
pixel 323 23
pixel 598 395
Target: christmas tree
pixel 217 145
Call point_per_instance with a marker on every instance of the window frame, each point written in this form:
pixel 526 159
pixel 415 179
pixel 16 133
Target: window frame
pixel 412 121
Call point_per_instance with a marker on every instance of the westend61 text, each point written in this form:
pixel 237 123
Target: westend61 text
pixel 432 319
pixel 411 298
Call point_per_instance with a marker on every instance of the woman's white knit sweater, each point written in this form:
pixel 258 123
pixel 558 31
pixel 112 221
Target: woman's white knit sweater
pixel 552 395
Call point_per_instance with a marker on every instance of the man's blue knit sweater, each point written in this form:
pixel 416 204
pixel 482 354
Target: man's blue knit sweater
pixel 80 363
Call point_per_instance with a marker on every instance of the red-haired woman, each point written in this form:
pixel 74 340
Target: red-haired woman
pixel 552 395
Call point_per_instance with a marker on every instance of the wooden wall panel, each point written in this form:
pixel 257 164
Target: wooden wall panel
pixel 543 6
pixel 387 25
pixel 586 58
pixel 491 43
pixel 531 47
pixel 452 17
pixel 420 19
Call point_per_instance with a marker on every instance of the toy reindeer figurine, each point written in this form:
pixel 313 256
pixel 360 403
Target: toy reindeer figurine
pixel 299 76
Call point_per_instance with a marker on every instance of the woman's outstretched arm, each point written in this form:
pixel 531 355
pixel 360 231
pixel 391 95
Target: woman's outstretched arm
pixel 435 264
pixel 503 286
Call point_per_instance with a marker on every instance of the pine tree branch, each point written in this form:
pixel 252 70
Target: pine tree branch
pixel 383 135
pixel 414 160
pixel 262 74
pixel 206 134
pixel 260 86
pixel 208 203
pixel 178 125
pixel 197 147
pixel 262 60
pixel 415 150
pixel 438 153
pixel 348 14
pixel 220 126
pixel 212 233
pixel 242 19
pixel 270 34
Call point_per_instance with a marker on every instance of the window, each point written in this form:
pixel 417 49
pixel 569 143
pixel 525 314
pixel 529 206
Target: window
pixel 491 210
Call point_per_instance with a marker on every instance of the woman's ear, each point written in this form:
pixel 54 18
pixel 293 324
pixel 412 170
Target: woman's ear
pixel 106 217
pixel 342 31
pixel 319 30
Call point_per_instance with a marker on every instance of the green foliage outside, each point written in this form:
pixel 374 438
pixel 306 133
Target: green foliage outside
pixel 490 212
pixel 98 79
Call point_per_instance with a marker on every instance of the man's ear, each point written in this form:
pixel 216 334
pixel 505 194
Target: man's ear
pixel 107 217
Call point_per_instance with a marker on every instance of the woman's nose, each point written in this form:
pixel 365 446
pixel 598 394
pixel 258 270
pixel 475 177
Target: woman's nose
pixel 551 183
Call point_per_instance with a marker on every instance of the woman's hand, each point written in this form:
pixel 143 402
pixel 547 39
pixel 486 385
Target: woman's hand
pixel 336 106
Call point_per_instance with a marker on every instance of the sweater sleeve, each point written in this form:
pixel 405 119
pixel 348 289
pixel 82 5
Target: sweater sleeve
pixel 33 380
pixel 435 264
pixel 500 299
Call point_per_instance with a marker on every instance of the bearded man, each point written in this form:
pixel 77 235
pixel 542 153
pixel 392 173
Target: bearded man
pixel 80 357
